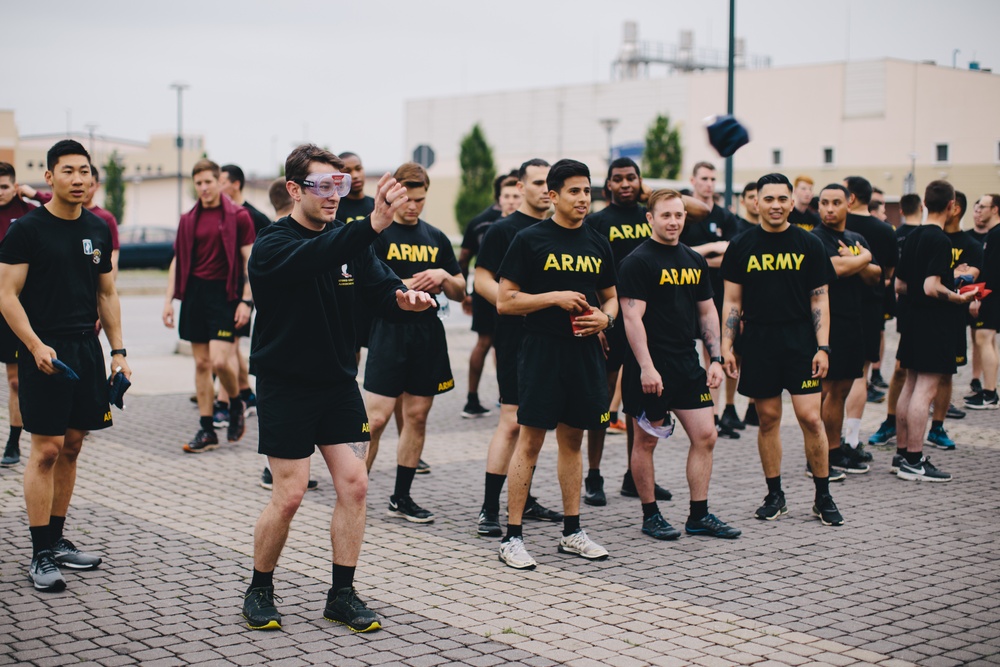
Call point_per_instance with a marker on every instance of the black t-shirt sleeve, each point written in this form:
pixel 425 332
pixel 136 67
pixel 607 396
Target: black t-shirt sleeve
pixel 448 261
pixel 973 255
pixel 704 290
pixel 821 271
pixel 516 265
pixel 632 279
pixel 730 269
pixel 492 250
pixel 939 259
pixel 608 277
pixel 471 237
pixel 17 246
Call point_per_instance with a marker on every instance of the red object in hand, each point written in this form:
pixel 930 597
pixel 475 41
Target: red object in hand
pixel 572 320
pixel 982 292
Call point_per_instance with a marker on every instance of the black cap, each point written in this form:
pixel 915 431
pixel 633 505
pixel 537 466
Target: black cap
pixel 727 135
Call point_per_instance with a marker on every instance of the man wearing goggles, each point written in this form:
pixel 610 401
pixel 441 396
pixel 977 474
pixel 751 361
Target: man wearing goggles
pixel 324 185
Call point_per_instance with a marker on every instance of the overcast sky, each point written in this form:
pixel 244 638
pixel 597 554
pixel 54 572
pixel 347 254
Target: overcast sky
pixel 266 75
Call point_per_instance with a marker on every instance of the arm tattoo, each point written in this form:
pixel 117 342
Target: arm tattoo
pixel 711 339
pixel 819 291
pixel 817 318
pixel 732 324
pixel 513 295
pixel 630 303
pixel 360 449
pixel 943 296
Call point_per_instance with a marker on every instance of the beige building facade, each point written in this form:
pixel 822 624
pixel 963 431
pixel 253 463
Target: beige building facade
pixel 879 119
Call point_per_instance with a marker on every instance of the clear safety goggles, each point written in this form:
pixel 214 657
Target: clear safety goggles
pixel 324 185
pixel 663 431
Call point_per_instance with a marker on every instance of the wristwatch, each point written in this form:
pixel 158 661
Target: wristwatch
pixel 117 352
pixel 611 322
pixel 719 360
pixel 248 302
pixel 824 348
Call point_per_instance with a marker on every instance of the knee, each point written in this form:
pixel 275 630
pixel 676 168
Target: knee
pixel 287 503
pixel 705 440
pixel 71 450
pixel 12 384
pixel 44 456
pixel 220 365
pixel 812 424
pixel 354 490
pixel 203 365
pixel 377 422
pixel 416 419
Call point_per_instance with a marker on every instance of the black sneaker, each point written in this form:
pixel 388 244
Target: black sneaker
pixel 843 458
pixel 474 409
pixel 594 491
pixel 877 381
pixel 489 524
pixel 204 441
pixel 250 405
pixel 981 402
pixel 405 508
pixel 11 455
pixel 731 420
pixel 834 475
pixel 826 510
pixel 259 609
pixel 922 472
pixel 751 418
pixel 44 573
pixel 537 512
pixel 773 507
pixel 220 414
pixel 67 555
pixel 860 453
pixel 344 606
pixel 712 526
pixel 629 490
pixel 726 432
pixel 237 426
pixel 897 460
pixel 267 481
pixel 875 395
pixel 975 387
pixel 423 468
pixel 658 528
pixel 954 413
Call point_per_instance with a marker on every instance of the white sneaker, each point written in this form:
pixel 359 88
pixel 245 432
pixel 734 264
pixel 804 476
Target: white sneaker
pixel 578 543
pixel 515 555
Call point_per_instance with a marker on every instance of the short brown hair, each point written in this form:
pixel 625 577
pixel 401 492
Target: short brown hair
pixel 937 195
pixel 663 194
pixel 412 175
pixel 205 164
pixel 278 194
pixel 803 179
pixel 509 181
pixel 297 163
pixel 7 169
pixel 702 165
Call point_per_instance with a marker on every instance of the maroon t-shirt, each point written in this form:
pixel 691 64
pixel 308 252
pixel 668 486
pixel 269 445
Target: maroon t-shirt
pixel 209 252
pixel 107 217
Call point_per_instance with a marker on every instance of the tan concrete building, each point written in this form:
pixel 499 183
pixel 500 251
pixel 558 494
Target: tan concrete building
pixel 878 119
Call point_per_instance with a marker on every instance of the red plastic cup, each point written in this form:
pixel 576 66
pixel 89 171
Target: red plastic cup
pixel 572 321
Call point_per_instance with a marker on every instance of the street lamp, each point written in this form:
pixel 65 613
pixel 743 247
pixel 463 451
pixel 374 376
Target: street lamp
pixel 730 94
pixel 180 88
pixel 90 130
pixel 609 125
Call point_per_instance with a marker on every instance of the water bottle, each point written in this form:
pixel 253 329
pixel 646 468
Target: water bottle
pixel 444 310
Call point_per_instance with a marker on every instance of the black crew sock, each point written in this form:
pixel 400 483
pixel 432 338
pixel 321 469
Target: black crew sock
pixel 913 458
pixel 235 405
pixel 936 424
pixel 494 485
pixel 822 485
pixel 262 579
pixel 206 423
pixel 245 394
pixel 15 434
pixel 650 509
pixel 404 480
pixel 593 473
pixel 343 577
pixel 39 539
pixel 773 484
pixel 901 451
pixel 473 397
pixel 890 420
pixel 571 524
pixel 613 415
pixel 513 530
pixel 699 509
pixel 990 393
pixel 56 524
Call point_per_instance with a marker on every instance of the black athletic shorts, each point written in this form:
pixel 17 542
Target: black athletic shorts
pixel 50 404
pixel 206 313
pixel 872 325
pixel 507 345
pixel 989 314
pixel 562 381
pixel 928 345
pixel 778 357
pixel 847 355
pixel 617 345
pixel 9 343
pixel 294 419
pixel 684 387
pixel 410 358
pixel 961 340
pixel 484 315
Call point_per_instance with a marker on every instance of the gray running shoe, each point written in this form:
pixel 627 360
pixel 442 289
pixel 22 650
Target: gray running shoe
pixel 45 574
pixel 67 555
pixel 579 544
pixel 513 553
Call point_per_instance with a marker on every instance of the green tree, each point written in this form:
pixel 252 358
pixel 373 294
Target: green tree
pixel 478 172
pixel 114 187
pixel 663 154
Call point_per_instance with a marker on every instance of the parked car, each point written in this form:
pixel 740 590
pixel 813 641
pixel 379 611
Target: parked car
pixel 145 247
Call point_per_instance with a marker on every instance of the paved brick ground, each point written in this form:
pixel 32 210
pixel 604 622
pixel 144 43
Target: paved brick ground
pixel 911 578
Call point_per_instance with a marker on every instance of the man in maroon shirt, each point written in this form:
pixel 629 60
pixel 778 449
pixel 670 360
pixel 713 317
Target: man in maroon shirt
pixel 210 258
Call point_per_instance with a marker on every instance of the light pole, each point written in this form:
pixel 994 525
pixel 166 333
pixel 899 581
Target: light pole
pixel 180 88
pixel 609 125
pixel 90 130
pixel 729 103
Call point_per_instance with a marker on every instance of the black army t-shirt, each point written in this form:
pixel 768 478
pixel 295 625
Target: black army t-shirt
pixel 410 249
pixel 808 220
pixel 720 225
pixel 625 228
pixel 491 253
pixel 777 270
pixel 672 280
pixel 476 230
pixel 260 221
pixel 349 210
pixel 881 240
pixel 65 259
pixel 549 258
pixel 927 253
pixel 847 292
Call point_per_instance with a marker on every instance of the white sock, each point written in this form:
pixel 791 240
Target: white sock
pixel 853 432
